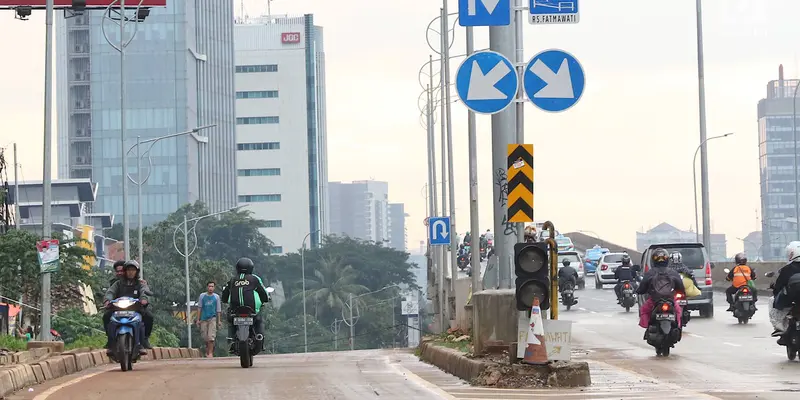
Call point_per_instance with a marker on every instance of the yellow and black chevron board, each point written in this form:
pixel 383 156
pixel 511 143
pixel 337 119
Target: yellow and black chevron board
pixel 520 183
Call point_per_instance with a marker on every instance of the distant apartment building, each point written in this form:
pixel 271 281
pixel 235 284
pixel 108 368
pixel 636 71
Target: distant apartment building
pixel 360 210
pixel 398 236
pixel 666 233
pixel 753 243
pixel 776 167
pixel 282 162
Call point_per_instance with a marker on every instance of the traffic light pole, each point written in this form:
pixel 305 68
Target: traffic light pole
pixel 553 269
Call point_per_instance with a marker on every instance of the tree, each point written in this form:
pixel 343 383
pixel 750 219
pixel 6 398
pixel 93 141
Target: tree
pixel 329 287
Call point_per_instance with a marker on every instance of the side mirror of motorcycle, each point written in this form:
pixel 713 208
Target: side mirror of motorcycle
pixel 270 289
pixel 770 274
pixel 726 270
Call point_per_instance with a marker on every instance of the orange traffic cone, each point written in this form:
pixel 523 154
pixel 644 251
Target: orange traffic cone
pixel 535 351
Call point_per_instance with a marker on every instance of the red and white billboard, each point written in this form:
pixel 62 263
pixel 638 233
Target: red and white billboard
pixel 89 3
pixel 290 37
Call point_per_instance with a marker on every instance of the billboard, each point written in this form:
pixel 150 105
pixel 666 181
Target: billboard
pixel 290 37
pixel 87 242
pixel 89 3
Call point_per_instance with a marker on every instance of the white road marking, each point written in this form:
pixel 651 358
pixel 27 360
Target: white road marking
pixel 47 393
pixel 732 344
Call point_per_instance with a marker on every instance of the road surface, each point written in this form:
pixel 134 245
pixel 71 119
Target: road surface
pixel 717 356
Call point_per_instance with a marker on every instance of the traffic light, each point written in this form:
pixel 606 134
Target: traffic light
pixel 532 269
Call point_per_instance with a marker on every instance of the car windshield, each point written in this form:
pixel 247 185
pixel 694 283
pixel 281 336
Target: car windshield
pixel 593 255
pixel 564 242
pixel 613 258
pixel 574 260
pixel 691 257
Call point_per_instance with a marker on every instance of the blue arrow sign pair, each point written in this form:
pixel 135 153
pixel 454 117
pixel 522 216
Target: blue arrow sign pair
pixel 439 231
pixel 487 83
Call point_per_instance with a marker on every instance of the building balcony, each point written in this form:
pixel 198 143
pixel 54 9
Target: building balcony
pixel 79 51
pixel 82 161
pixel 79 79
pixel 81 106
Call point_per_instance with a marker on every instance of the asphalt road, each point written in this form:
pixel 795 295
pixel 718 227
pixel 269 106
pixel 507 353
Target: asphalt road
pixel 717 356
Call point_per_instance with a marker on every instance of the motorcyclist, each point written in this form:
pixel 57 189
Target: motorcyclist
pixel 739 276
pixel 676 263
pixel 489 238
pixel 241 290
pixel 786 290
pixel 624 272
pixel 467 238
pixel 129 286
pixel 652 282
pixel 567 274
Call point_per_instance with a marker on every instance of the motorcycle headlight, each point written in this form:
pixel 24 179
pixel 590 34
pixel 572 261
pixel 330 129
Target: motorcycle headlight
pixel 124 303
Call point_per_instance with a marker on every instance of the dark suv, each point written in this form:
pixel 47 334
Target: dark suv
pixel 695 257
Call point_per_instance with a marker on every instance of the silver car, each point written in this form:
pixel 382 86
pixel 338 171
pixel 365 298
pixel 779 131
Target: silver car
pixel 575 261
pixel 608 263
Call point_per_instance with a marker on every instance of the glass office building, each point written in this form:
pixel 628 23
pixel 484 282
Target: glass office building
pixel 179 72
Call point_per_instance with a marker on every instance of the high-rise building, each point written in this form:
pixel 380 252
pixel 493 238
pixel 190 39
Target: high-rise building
pixel 282 162
pixel 776 154
pixel 360 210
pixel 179 71
pixel 398 237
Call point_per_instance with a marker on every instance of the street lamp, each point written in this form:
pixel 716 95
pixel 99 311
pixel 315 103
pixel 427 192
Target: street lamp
pixel 694 193
pixel 758 248
pixel 303 269
pixel 186 253
pixel 141 181
pixel 349 322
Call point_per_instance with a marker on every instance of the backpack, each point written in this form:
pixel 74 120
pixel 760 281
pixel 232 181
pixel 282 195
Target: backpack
pixel 793 286
pixel 661 286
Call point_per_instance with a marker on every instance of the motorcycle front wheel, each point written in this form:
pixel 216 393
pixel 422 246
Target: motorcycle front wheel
pixel 124 352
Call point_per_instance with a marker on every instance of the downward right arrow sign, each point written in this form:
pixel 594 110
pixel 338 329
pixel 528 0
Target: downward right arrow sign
pixel 559 84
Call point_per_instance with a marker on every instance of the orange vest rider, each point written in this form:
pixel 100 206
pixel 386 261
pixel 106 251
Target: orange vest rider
pixel 741 274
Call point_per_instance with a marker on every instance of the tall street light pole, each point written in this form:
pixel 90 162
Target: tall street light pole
pixel 47 164
pixel 141 181
pixel 706 235
pixel 186 253
pixel 703 140
pixel 303 269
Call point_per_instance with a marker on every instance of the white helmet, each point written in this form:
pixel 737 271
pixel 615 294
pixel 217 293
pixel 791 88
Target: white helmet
pixel 793 251
pixel 676 257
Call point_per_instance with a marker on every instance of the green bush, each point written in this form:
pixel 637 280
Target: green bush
pixel 12 343
pixel 97 341
pixel 161 337
pixel 73 323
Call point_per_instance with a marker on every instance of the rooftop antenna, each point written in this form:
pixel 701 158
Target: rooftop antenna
pixel 269 7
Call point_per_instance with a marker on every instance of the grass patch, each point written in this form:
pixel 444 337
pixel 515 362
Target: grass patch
pixel 12 343
pixel 456 339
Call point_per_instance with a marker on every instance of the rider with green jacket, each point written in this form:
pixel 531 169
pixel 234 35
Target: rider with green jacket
pixel 245 289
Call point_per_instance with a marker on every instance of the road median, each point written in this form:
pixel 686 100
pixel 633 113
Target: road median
pixel 23 375
pixel 495 370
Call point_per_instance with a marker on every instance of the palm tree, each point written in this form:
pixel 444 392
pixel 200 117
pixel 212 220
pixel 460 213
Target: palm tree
pixel 330 286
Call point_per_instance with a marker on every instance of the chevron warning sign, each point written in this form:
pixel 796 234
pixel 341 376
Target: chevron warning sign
pixel 520 183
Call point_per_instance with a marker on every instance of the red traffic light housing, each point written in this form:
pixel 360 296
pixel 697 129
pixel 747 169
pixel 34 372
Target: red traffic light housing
pixel 532 271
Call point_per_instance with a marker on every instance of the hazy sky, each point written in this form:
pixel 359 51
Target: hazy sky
pixel 618 161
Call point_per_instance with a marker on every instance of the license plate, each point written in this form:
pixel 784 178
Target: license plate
pixel 746 298
pixel 665 317
pixel 567 292
pixel 683 302
pixel 627 291
pixel 127 314
pixel 243 320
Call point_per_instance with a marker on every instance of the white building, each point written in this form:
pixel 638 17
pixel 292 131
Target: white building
pixel 361 210
pixel 280 127
pixel 665 233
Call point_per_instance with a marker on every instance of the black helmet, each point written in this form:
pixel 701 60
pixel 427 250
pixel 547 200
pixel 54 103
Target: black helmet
pixel 660 258
pixel 133 264
pixel 740 259
pixel 244 266
pixel 565 262
pixel 120 263
pixel 626 259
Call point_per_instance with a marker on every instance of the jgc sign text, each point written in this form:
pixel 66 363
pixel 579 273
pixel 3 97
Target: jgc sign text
pixel 290 37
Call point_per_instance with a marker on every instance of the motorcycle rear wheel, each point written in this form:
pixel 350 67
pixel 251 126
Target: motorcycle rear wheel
pixel 245 359
pixel 791 353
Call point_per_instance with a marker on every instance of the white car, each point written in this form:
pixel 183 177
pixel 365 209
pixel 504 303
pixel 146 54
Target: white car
pixel 608 263
pixel 575 261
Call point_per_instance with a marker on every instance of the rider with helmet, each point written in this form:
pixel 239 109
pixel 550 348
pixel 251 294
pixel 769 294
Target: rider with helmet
pixel 786 290
pixel 656 283
pixel 740 276
pixel 129 285
pixel 676 263
pixel 241 290
pixel 624 272
pixel 567 274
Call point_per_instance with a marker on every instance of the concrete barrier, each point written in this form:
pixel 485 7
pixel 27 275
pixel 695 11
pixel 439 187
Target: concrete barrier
pixel 20 376
pixel 497 318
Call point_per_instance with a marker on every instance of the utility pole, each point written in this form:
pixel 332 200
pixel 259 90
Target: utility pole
pixel 504 124
pixel 17 223
pixel 47 173
pixel 474 216
pixel 519 59
pixel 352 324
pixel 703 149
pixel 451 299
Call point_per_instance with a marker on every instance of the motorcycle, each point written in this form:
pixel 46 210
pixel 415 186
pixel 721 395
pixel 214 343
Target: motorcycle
pixel 568 298
pixel 628 296
pixel 743 306
pixel 663 331
pixel 246 337
pixel 792 335
pixel 483 253
pixel 463 261
pixel 128 323
pixel 680 298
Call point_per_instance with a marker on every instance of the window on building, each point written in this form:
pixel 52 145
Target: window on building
pixel 260 172
pixel 276 250
pixel 259 146
pixel 259 198
pixel 257 120
pixel 243 69
pixel 257 94
pixel 274 223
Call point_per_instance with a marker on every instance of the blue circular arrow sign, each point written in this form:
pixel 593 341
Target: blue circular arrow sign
pixel 486 82
pixel 554 80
